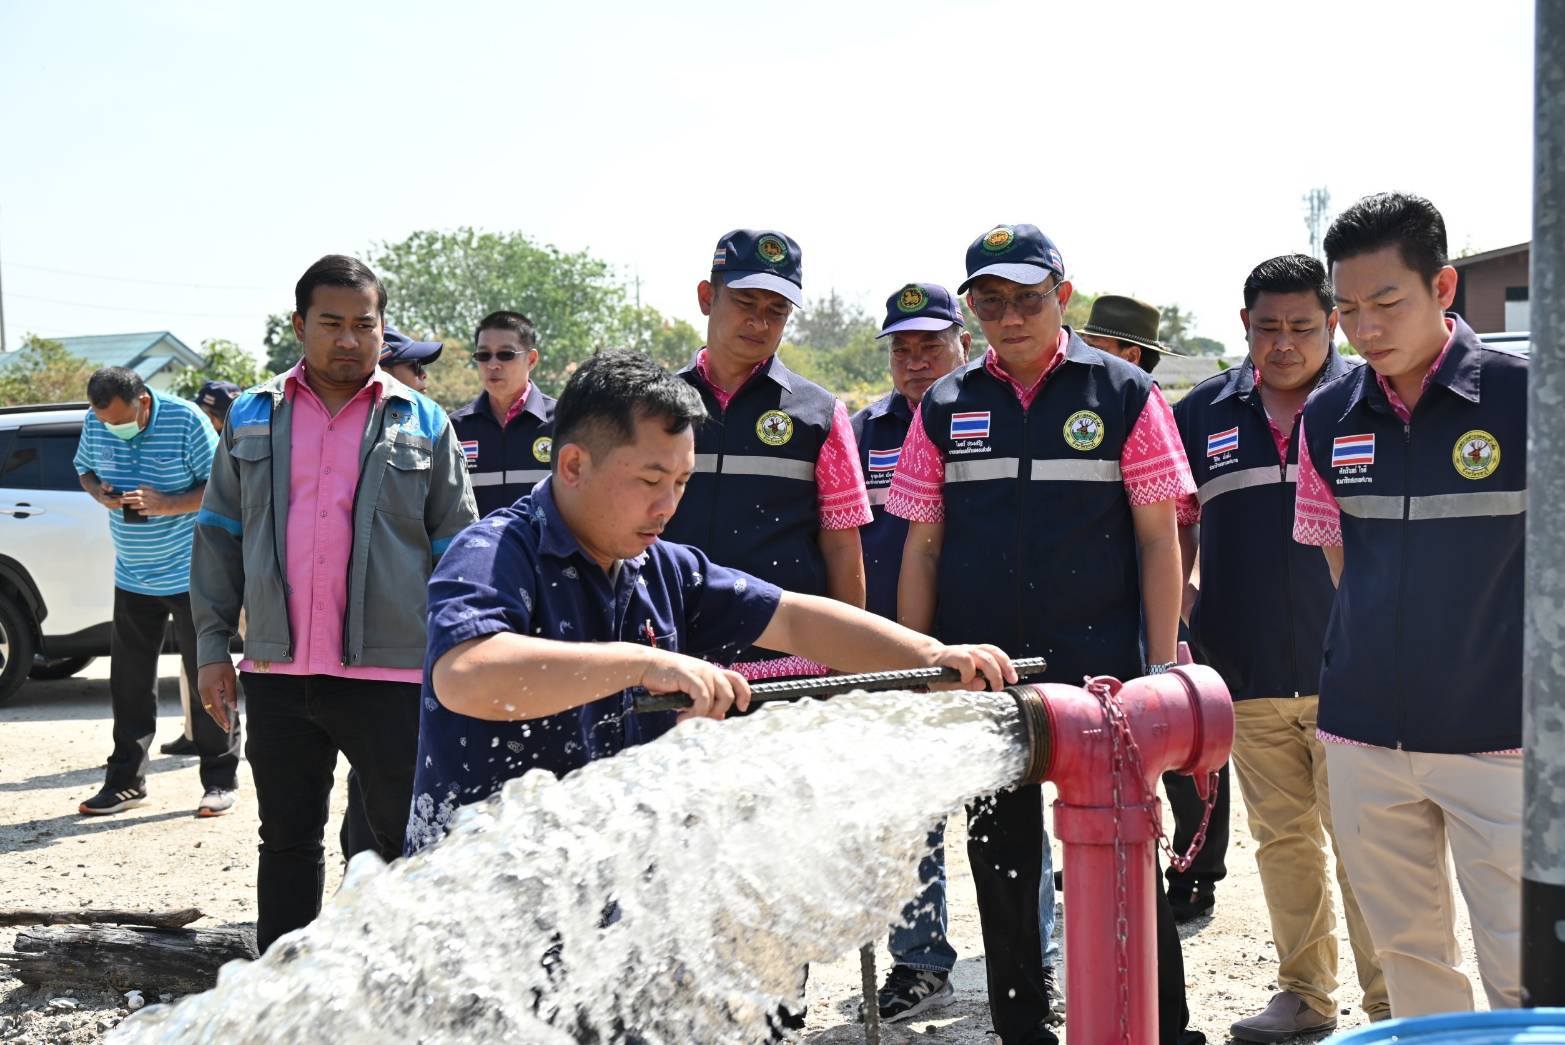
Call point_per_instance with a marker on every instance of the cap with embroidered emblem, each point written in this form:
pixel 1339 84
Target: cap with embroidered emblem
pixel 1019 253
pixel 760 259
pixel 920 306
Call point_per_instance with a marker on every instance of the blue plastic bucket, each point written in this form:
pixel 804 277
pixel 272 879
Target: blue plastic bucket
pixel 1507 1027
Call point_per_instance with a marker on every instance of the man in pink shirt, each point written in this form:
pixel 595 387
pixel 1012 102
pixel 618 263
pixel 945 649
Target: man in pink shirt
pixel 334 490
pixel 778 491
pixel 1040 484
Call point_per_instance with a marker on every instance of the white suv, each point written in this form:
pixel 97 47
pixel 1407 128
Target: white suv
pixel 56 555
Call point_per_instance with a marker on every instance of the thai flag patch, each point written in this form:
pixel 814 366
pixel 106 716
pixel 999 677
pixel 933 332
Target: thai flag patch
pixel 972 425
pixel 1222 442
pixel 884 460
pixel 1352 449
pixel 720 258
pixel 470 450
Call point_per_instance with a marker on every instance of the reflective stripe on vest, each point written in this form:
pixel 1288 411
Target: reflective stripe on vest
pixel 497 478
pixel 877 496
pixel 1042 471
pixel 1436 506
pixel 1244 479
pixel 746 464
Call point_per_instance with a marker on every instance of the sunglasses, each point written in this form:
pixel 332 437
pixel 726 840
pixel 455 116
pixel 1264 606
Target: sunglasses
pixel 992 307
pixel 504 355
pixel 417 368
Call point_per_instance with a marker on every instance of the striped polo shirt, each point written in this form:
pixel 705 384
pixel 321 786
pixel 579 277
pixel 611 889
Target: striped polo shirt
pixel 171 455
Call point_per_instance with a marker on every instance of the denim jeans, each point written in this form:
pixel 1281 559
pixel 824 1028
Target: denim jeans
pixel 920 941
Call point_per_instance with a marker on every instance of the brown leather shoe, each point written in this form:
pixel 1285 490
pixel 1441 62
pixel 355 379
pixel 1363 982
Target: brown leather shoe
pixel 1287 1016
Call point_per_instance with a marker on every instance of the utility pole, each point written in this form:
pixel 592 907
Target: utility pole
pixel 1543 825
pixel 1317 207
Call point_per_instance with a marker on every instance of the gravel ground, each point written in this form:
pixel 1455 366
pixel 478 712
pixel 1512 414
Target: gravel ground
pixel 56 734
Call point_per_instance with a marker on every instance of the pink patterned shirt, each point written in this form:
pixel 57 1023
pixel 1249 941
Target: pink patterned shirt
pixel 842 499
pixel 1152 463
pixel 516 407
pixel 1317 519
pixel 322 475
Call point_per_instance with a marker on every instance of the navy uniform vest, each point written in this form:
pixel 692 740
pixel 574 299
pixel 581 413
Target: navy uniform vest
pixel 752 503
pixel 1260 618
pixel 503 463
pixel 879 430
pixel 1039 555
pixel 1424 645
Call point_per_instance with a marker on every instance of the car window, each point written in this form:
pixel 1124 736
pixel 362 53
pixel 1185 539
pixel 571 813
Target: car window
pixel 40 457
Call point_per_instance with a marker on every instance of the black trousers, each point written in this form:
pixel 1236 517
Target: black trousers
pixel 1004 848
pixel 1173 1011
pixel 1210 863
pixel 298 725
pixel 355 835
pixel 135 641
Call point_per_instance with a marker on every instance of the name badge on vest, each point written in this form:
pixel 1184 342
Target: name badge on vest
pixel 1222 448
pixel 969 432
pixel 882 463
pixel 1352 456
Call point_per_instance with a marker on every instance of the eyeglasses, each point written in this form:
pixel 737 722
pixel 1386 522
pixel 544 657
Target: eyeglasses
pixel 504 355
pixel 992 307
pixel 417 368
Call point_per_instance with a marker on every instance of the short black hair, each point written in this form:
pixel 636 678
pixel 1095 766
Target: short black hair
pixel 610 390
pixel 337 270
pixel 1289 274
pixel 519 324
pixel 1391 219
pixel 114 382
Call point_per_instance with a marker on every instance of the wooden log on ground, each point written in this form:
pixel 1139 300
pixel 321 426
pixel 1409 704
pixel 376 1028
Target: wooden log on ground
pixel 181 961
pixel 97 916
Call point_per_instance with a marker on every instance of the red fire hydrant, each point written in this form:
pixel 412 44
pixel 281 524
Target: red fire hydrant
pixel 1108 744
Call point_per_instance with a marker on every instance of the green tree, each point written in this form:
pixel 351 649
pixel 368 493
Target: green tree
pixel 1203 346
pixel 223 360
pixel 442 283
pixel 282 347
pixel 43 371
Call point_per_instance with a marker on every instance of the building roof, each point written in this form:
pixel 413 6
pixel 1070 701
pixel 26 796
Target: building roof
pixel 129 350
pixel 1491 255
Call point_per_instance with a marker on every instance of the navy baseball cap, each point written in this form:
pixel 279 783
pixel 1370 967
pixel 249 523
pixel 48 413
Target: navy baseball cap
pixel 1019 253
pixel 399 348
pixel 759 259
pixel 218 396
pixel 920 306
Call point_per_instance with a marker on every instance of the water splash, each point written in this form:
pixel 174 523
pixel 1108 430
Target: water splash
pixel 669 895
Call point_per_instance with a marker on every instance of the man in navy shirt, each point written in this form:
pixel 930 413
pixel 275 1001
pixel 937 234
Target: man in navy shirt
pixel 546 618
pixel 928 341
pixel 1413 480
pixel 1259 619
pixel 506 433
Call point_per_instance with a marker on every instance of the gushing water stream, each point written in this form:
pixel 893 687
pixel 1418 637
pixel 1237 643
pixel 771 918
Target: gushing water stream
pixel 666 896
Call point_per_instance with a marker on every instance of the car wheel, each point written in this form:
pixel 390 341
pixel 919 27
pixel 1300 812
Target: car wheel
pixel 48 669
pixel 16 648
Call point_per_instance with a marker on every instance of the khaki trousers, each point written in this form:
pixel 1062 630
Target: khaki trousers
pixel 1282 775
pixel 1396 814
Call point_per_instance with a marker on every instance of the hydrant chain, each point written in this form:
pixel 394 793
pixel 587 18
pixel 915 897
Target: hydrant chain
pixel 1119 733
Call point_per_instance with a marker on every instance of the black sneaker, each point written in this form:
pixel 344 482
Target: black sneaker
pixel 180 746
pixel 110 800
pixel 909 992
pixel 1191 901
pixel 1051 990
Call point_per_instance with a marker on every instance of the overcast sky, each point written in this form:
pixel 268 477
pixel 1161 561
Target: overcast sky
pixel 177 165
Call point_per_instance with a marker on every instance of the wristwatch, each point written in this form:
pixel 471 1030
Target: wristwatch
pixel 1161 669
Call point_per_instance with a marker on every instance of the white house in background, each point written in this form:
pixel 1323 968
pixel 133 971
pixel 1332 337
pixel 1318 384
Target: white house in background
pixel 157 356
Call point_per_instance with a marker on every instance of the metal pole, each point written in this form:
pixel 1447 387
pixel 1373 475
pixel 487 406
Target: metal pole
pixel 1543 840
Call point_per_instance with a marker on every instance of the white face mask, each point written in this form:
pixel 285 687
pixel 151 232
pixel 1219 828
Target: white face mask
pixel 127 429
